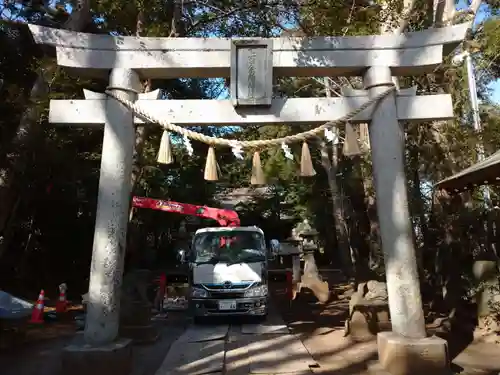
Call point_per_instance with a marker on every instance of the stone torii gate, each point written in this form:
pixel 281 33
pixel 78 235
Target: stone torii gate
pixel 251 64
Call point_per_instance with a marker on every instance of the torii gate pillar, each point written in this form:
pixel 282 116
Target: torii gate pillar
pixel 102 352
pixel 113 204
pixel 387 147
pixel 407 349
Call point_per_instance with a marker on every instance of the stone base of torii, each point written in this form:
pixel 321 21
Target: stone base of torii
pixel 406 350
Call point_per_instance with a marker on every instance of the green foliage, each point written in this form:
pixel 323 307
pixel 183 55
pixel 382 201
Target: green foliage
pixel 488 38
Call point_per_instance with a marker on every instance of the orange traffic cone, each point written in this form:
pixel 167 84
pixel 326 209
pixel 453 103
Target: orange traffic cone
pixel 62 303
pixel 37 314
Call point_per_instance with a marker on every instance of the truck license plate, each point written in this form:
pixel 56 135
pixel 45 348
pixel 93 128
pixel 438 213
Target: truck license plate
pixel 227 305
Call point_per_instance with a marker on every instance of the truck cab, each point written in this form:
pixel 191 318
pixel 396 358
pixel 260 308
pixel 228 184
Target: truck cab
pixel 228 272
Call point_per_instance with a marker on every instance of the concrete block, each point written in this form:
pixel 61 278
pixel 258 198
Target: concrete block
pixel 79 358
pixel 400 355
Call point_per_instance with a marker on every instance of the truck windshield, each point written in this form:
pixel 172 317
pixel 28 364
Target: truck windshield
pixel 229 247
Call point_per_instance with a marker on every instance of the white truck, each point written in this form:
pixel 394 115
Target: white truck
pixel 228 272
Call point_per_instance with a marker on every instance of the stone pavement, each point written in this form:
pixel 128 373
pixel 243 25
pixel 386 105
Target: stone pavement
pixel 270 347
pixel 238 349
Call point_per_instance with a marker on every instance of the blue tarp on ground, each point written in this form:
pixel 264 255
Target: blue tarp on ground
pixel 13 308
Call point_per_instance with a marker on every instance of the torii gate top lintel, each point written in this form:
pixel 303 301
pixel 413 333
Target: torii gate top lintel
pixel 407 54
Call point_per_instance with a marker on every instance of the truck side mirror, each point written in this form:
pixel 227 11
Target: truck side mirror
pixel 181 256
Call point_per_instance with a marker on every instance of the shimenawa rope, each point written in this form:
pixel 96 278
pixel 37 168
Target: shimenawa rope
pixel 215 141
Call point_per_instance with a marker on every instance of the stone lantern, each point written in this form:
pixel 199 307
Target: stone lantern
pixel 307 238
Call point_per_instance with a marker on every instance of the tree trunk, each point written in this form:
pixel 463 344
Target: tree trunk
pixel 330 166
pixel 376 258
pixel 415 143
pixel 331 169
pixel 142 133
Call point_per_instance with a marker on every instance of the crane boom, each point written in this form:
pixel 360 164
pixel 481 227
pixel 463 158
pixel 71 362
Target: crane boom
pixel 225 218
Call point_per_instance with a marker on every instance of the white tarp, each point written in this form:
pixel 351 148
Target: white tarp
pixel 12 307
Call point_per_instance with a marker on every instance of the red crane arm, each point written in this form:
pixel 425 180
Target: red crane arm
pixel 226 218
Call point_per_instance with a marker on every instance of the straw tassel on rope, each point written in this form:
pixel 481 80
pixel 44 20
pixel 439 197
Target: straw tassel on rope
pixel 165 151
pixel 351 147
pixel 258 177
pixel 306 165
pixel 211 167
